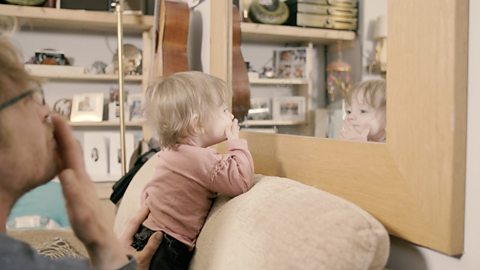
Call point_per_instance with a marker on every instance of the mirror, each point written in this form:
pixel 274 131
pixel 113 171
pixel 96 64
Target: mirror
pixel 414 183
pixel 298 88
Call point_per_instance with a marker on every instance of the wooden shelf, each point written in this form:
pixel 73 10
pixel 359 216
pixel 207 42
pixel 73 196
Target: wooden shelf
pixel 292 34
pixel 88 77
pixel 264 81
pixel 251 123
pixel 76 19
pixel 105 124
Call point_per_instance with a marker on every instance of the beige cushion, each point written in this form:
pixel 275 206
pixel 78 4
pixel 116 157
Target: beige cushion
pixel 130 202
pixel 283 224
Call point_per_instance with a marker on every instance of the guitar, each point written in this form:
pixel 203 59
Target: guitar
pixel 171 23
pixel 240 83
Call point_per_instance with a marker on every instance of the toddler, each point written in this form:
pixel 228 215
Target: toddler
pixel 365 108
pixel 190 113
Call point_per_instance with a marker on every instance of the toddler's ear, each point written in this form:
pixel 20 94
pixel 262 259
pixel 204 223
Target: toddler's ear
pixel 196 125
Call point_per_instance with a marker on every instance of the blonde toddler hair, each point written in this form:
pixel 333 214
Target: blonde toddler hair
pixel 373 93
pixel 177 105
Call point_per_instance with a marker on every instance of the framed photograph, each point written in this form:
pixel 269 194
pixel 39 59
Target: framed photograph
pixel 260 109
pixel 87 107
pixel 290 63
pixel 114 111
pixel 289 108
pixel 95 154
pixel 135 102
pixel 114 105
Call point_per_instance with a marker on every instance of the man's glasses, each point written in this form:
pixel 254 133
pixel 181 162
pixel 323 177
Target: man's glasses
pixel 37 95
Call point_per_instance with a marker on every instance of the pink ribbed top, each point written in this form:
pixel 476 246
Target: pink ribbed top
pixel 186 181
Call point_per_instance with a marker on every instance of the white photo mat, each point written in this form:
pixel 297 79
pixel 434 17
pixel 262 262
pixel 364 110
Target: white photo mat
pixel 87 107
pixel 289 108
pixel 101 151
pixel 95 154
pixel 115 162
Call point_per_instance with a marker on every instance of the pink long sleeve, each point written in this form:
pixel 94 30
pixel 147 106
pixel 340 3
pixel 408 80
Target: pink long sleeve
pixel 187 180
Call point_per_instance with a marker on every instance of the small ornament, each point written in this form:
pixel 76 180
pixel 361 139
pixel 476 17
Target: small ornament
pixel 338 77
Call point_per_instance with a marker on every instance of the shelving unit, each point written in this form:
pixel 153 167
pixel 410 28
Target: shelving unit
pixel 106 124
pixel 88 77
pixel 253 32
pixel 262 81
pixel 71 19
pixel 256 123
pixel 37 23
pixel 262 34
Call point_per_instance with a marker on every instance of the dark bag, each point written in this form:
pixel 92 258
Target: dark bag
pixel 121 185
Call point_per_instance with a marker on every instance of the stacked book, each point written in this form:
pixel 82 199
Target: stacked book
pixel 331 14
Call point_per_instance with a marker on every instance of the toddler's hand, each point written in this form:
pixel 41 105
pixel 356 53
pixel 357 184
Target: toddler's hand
pixel 350 132
pixel 233 131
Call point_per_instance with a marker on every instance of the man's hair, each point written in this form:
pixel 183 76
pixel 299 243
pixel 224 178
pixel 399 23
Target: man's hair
pixel 11 67
pixel 178 105
pixel 373 92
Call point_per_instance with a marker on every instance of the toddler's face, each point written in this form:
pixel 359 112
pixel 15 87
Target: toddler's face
pixel 214 129
pixel 362 116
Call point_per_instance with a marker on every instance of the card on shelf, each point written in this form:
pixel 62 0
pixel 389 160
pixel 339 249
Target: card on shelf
pixel 115 154
pixel 135 102
pixel 95 154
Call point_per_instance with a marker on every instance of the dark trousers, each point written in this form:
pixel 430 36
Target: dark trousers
pixel 170 255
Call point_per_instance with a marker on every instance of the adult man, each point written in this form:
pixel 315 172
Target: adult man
pixel 34 147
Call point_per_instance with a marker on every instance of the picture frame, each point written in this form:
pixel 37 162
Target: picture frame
pixel 87 107
pixel 135 106
pixel 114 105
pixel 114 111
pixel 260 109
pixel 290 108
pixel 290 63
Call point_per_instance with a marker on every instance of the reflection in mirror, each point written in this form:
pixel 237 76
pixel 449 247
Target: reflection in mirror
pixel 365 112
pixel 289 75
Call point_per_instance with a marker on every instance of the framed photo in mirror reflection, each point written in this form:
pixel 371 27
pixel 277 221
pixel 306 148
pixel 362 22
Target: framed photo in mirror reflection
pixel 289 108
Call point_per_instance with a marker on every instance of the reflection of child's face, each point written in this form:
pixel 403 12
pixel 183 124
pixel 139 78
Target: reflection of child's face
pixel 362 116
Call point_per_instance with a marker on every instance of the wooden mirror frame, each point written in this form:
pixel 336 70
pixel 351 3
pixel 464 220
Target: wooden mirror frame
pixel 415 182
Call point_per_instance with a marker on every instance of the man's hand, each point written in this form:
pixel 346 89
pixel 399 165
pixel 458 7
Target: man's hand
pixel 233 131
pixel 144 256
pixel 82 203
pixel 349 132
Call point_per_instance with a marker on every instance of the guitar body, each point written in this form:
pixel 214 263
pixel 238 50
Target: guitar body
pixel 175 37
pixel 240 83
pixel 171 38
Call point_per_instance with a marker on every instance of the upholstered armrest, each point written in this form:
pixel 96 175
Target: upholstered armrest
pixel 283 224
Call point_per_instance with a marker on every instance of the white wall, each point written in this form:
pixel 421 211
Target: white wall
pixel 407 256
